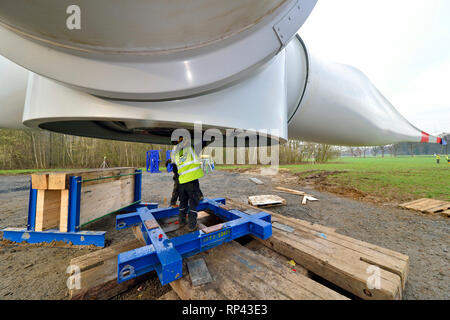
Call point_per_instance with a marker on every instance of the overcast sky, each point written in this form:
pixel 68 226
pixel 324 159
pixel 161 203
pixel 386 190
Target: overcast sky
pixel 403 46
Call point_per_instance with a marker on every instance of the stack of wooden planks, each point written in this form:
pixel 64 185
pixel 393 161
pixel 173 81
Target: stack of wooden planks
pixel 98 197
pixel 346 262
pixel 427 205
pixel 237 271
pixel 260 269
pixel 240 273
pixel 98 273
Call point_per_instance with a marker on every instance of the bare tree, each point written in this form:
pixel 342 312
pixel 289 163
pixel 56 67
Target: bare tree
pixel 374 150
pixel 382 150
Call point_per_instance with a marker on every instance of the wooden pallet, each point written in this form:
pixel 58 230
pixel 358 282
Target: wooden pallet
pixel 427 205
pixel 98 198
pixel 266 201
pixel 342 260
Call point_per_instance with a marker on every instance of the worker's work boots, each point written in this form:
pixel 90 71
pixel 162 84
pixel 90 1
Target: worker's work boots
pixel 192 221
pixel 182 218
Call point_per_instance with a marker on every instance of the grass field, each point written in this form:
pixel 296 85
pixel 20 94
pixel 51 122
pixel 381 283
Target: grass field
pixel 398 178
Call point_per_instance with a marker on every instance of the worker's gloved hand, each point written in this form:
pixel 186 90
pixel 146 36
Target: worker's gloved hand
pixel 168 161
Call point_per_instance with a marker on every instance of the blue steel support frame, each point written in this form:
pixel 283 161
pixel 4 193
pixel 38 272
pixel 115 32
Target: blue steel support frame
pixel 138 185
pixel 165 255
pixel 32 209
pixel 74 204
pixel 74 235
pixel 80 238
pixel 154 155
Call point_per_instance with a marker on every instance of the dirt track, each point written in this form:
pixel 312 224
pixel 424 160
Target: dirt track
pixel 39 273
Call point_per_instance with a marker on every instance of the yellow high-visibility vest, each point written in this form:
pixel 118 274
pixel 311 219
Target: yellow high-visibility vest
pixel 188 164
pixel 438 157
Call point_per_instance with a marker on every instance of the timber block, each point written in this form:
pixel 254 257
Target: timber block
pixel 49 205
pixel 240 273
pixel 98 273
pixel 354 265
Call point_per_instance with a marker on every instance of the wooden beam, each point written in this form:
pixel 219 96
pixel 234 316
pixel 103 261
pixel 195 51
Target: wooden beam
pixel 337 266
pixel 239 273
pixel 261 249
pixel 108 290
pixel 98 200
pixel 99 273
pixel 291 191
pixel 137 231
pixel 48 209
pixel 64 211
pixel 304 199
pixel 39 181
pixel 60 180
pixel 339 259
pixel 57 181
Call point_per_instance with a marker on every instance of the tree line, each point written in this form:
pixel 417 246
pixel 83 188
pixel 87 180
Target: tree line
pixel 398 149
pixel 27 149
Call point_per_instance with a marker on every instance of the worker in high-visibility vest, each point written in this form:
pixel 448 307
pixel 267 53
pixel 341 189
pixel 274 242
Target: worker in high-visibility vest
pixel 176 185
pixel 189 171
pixel 438 157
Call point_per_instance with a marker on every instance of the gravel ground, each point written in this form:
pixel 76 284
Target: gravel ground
pixel 40 272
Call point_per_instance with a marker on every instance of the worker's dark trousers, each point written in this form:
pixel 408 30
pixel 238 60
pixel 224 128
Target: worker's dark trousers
pixel 189 199
pixel 437 160
pixel 175 192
